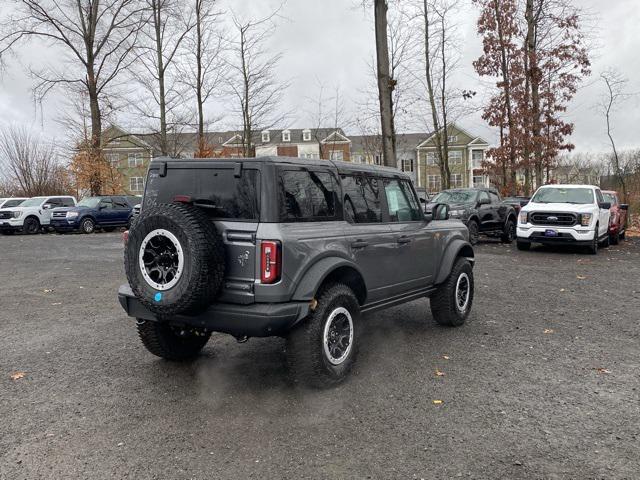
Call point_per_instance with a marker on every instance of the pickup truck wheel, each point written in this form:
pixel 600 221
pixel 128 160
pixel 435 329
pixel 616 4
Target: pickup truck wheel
pixel 31 226
pixel 451 303
pixel 322 349
pixel 474 232
pixel 509 232
pixel 614 239
pixel 87 226
pixel 171 342
pixel 523 246
pixel 174 259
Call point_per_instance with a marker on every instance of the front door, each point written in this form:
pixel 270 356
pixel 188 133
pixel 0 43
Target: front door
pixel 485 211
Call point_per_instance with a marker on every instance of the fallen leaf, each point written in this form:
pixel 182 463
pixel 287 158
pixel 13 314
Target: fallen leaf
pixel 446 357
pixel 437 402
pixel 562 290
pixel 48 290
pixel 580 277
pixel 56 303
pixel 439 373
pixel 603 371
pixel 18 375
pixel 548 330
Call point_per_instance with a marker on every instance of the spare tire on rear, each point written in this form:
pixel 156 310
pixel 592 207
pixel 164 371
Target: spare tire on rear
pixel 174 259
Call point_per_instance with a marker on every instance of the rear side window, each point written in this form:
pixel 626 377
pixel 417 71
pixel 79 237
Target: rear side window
pixel 402 203
pixel 361 199
pixel 494 197
pixel 217 190
pixel 307 196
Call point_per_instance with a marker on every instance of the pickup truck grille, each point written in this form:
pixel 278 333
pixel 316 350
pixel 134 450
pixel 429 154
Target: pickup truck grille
pixel 554 218
pixel 5 215
pixel 59 215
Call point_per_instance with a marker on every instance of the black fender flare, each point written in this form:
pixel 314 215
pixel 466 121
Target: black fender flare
pixel 457 248
pixel 312 279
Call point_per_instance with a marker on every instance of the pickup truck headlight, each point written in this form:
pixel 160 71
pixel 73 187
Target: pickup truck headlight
pixel 17 214
pixel 456 213
pixel 524 217
pixel 72 214
pixel 585 219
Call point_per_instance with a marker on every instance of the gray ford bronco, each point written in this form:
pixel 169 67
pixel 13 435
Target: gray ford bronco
pixel 287 247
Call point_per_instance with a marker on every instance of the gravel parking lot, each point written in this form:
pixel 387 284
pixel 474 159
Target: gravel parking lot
pixel 541 383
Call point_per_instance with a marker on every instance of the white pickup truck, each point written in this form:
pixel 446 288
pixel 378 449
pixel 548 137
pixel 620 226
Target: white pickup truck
pixel 32 214
pixel 565 214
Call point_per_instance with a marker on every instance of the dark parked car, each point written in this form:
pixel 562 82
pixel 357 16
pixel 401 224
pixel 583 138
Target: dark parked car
pixel 618 220
pixel 481 210
pixel 105 212
pixel 298 248
pixel 516 202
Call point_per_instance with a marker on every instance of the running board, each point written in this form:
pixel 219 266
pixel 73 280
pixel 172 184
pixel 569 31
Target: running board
pixel 397 300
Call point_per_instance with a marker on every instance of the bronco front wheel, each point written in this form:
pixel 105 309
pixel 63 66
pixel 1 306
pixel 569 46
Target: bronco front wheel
pixel 451 303
pixel 322 350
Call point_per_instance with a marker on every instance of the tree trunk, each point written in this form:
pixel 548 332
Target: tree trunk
pixel 199 79
pixel 162 100
pixel 384 84
pixel 533 77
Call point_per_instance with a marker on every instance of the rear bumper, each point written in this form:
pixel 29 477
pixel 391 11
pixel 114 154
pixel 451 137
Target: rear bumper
pixel 255 320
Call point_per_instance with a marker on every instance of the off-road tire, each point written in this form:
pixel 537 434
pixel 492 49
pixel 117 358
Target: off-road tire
pixel 306 356
pixel 474 232
pixel 204 259
pixel 509 232
pixel 171 343
pixel 31 226
pixel 593 248
pixel 444 304
pixel 87 226
pixel 523 246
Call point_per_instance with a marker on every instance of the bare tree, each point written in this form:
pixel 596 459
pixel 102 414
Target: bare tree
pixel 30 165
pixel 386 83
pixel 96 39
pixel 253 78
pixel 615 94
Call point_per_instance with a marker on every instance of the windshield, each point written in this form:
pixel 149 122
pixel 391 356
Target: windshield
pixel 455 196
pixel 13 203
pixel 563 195
pixel 610 197
pixel 33 202
pixel 90 202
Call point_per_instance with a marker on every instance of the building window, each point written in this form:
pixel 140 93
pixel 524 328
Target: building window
pixel 407 165
pixel 113 158
pixel 135 160
pixel 266 138
pixel 456 180
pixel 306 135
pixel 434 183
pixel 136 184
pixel 336 155
pixel 286 136
pixel 452 139
pixel 455 157
pixel 431 158
pixel 477 156
pixel 478 181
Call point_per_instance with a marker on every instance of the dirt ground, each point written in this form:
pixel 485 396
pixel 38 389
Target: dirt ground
pixel 542 382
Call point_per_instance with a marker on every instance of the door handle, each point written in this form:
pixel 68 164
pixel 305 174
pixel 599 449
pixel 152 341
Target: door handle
pixel 404 240
pixel 359 244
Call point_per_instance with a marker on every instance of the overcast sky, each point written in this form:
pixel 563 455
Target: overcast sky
pixel 332 41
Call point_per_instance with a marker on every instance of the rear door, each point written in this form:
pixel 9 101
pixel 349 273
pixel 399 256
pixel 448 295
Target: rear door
pixel 371 241
pixel 229 194
pixel 414 261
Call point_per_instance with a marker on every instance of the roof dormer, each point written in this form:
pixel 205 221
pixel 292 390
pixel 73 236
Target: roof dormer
pixel 266 136
pixel 286 135
pixel 306 135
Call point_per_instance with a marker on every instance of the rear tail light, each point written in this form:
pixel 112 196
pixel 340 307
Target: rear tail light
pixel 270 261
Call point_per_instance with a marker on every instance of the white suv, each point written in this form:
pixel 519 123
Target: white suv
pixel 565 214
pixel 32 214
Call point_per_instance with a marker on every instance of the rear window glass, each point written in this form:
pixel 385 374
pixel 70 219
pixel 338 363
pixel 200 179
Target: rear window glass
pixel 307 196
pixel 361 199
pixel 216 190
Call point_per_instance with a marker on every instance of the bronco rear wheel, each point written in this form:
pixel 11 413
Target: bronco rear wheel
pixel 171 342
pixel 322 349
pixel 174 259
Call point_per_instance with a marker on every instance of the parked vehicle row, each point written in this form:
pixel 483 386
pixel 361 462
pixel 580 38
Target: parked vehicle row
pixel 64 214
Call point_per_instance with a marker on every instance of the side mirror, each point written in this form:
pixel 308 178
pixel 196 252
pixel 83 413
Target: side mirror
pixel 624 206
pixel 484 201
pixel 440 212
pixel 46 206
pixel 101 207
pixel 422 200
pixel 605 205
